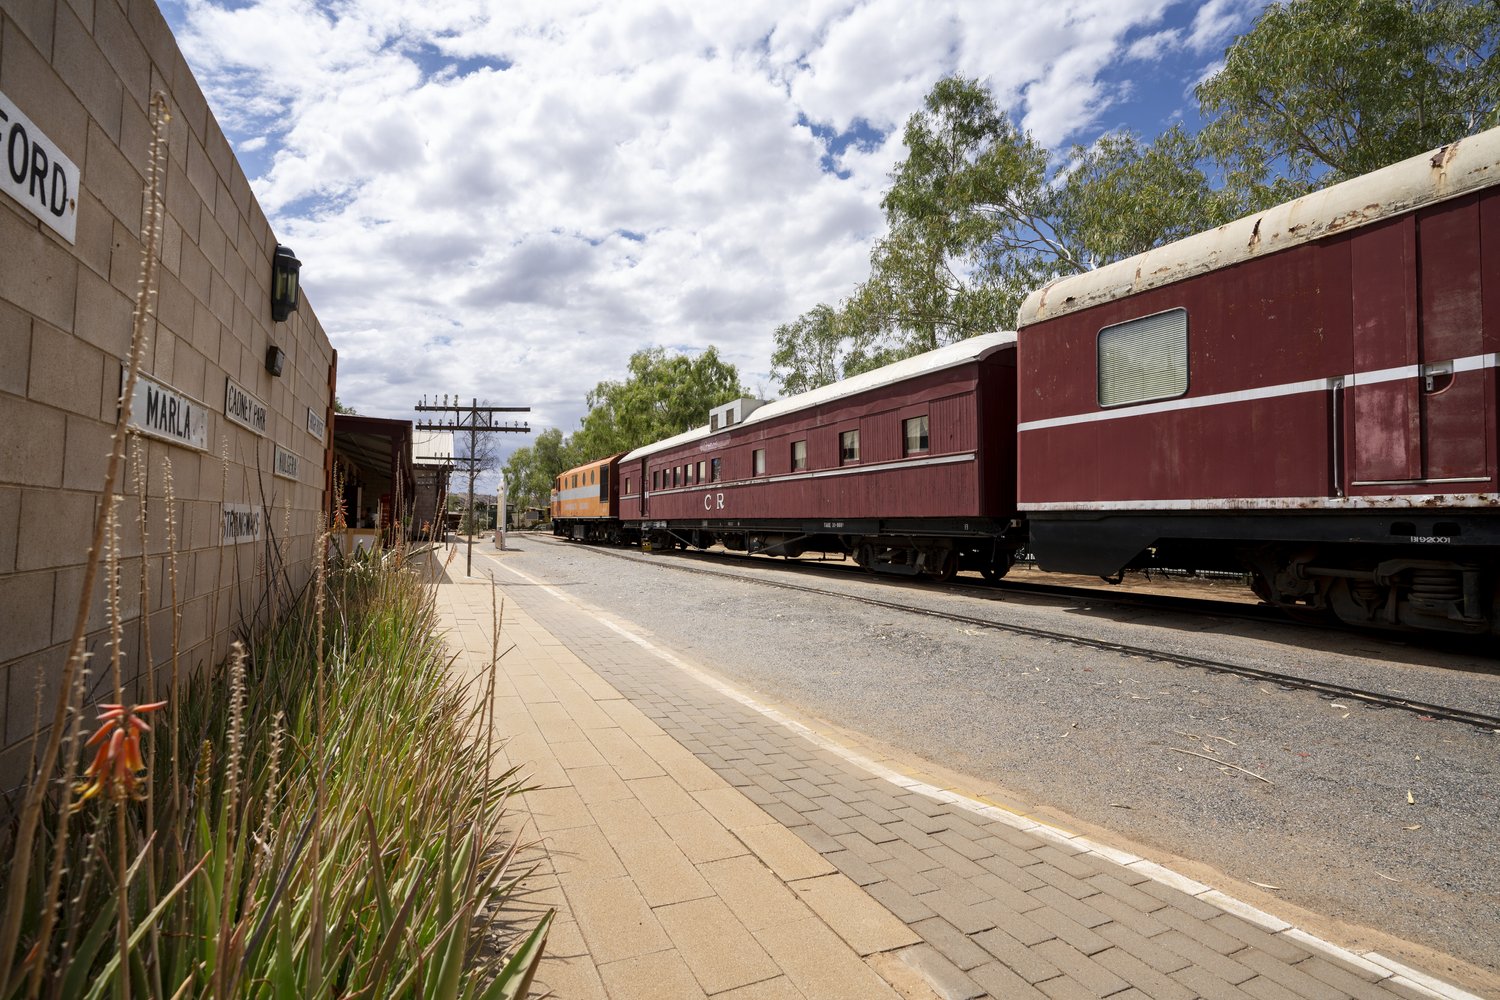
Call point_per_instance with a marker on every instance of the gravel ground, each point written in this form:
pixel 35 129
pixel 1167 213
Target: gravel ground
pixel 1378 818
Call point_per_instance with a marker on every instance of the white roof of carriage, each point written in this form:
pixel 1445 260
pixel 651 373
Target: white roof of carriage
pixel 972 349
pixel 1455 169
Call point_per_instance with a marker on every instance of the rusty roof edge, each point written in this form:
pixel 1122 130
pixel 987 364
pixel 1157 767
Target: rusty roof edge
pixel 1467 165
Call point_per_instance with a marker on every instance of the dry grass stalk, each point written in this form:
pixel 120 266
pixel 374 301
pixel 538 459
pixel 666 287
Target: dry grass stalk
pixel 31 810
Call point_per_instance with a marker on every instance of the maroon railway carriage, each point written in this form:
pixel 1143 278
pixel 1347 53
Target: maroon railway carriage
pixel 1308 394
pixel 909 468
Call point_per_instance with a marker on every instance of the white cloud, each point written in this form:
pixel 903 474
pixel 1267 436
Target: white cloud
pixel 505 199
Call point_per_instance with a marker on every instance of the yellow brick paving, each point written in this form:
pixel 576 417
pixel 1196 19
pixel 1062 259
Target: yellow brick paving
pixel 695 844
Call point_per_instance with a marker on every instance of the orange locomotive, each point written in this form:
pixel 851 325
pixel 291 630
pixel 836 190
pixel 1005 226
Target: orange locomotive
pixel 586 502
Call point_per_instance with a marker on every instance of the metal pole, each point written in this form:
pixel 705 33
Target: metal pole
pixel 473 468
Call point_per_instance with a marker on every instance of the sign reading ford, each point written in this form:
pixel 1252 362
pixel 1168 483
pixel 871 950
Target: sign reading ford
pixel 36 173
pixel 244 407
pixel 159 411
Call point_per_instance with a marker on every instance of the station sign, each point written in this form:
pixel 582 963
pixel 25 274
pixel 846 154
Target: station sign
pixel 36 173
pixel 160 411
pixel 243 523
pixel 244 407
pixel 287 463
pixel 316 425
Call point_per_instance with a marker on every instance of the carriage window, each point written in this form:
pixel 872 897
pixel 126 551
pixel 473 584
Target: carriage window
pixel 758 462
pixel 1144 359
pixel 702 468
pixel 849 447
pixel 799 455
pixel 656 479
pixel 676 475
pixel 627 485
pixel 914 433
pixel 713 470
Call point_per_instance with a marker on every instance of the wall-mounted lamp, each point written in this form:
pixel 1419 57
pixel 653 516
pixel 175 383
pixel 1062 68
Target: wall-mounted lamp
pixel 275 359
pixel 285 269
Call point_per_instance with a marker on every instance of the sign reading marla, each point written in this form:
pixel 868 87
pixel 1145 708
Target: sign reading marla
pixel 36 173
pixel 160 411
pixel 244 407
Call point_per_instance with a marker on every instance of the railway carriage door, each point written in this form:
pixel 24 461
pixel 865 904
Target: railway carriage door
pixel 1418 401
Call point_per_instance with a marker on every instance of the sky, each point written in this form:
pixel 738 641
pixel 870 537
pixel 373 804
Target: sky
pixel 505 199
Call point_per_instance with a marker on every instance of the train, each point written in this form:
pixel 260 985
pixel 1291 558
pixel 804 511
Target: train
pixel 1306 396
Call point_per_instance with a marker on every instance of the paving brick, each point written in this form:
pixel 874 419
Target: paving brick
pixel 663 974
pixel 964 890
pixel 955 945
pixel 1068 929
pixel 1200 930
pixel 953 861
pixel 967 918
pixel 583 853
pixel 1288 976
pixel 871 830
pixel 1179 900
pixel 828 822
pixel 862 848
pixel 1144 948
pixel 1283 949
pixel 1000 981
pixel 817 839
pixel 903 875
pixel 900 901
pixel 1074 964
pixel 818 964
pixel 1018 925
pixel 662 796
pixel 872 811
pixel 556 809
pixel 755 896
pixel 1022 959
pixel 780 988
pixel 1207 985
pixel 909 856
pixel 1268 989
pixel 599 784
pixel 914 822
pixel 863 922
pixel 1342 978
pixel 1067 988
pixel 965 846
pixel 1137 973
pixel 946 979
pixel 1126 894
pixel 731 808
pixel 1204 957
pixel 719 950
pixel 701 837
pixel 783 852
pixel 616 920
pixel 861 872
pixel 1076 910
pixel 567 970
pixel 1075 888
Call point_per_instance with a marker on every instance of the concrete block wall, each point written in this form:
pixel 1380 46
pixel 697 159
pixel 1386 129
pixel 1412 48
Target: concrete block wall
pixel 83 72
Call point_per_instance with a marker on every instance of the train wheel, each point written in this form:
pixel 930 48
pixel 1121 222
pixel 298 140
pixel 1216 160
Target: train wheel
pixel 946 569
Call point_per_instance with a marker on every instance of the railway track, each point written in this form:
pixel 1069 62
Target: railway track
pixel 1324 689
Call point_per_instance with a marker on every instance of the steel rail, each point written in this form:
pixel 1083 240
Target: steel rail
pixel 1373 699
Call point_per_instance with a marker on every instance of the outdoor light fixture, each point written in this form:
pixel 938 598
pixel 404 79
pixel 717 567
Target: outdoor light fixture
pixel 275 359
pixel 284 276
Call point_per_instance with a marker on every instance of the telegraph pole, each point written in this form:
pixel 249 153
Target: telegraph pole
pixel 473 420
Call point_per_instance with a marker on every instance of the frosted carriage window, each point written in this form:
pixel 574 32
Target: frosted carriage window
pixel 1144 359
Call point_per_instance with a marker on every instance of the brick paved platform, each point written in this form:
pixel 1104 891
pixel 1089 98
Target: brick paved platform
pixel 696 844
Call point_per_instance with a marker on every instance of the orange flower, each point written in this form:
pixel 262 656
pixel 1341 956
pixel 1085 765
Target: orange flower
pixel 117 763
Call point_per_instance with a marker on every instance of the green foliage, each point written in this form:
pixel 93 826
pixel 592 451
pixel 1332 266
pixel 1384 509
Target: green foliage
pixel 1323 90
pixel 663 394
pixel 531 471
pixel 356 850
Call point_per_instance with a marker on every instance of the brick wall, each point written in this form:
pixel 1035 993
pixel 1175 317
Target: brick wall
pixel 84 73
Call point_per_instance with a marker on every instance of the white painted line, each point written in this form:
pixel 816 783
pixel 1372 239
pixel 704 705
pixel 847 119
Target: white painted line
pixel 1371 961
pixel 1245 911
pixel 1420 981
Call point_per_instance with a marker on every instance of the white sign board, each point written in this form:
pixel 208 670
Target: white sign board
pixel 242 523
pixel 287 463
pixel 160 411
pixel 36 173
pixel 244 407
pixel 316 425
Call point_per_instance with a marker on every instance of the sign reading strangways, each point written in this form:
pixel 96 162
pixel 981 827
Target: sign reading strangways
pixel 36 173
pixel 244 407
pixel 160 411
pixel 242 523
